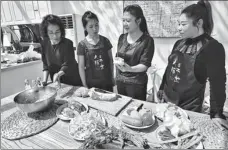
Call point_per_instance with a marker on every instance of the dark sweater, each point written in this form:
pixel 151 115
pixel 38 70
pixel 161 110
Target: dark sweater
pixel 60 55
pixel 210 64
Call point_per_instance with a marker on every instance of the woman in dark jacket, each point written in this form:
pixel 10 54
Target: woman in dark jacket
pixel 194 59
pixel 57 53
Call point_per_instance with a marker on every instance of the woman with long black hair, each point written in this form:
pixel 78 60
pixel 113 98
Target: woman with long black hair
pixel 95 55
pixel 136 49
pixel 194 59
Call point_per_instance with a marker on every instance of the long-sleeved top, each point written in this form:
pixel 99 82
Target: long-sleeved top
pixel 60 57
pixel 209 64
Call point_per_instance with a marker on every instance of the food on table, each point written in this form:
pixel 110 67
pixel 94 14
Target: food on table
pixel 175 121
pixel 69 113
pixel 146 116
pixel 165 134
pixel 82 92
pixel 83 126
pixel 138 119
pixel 74 105
pixel 132 121
pixel 98 94
pixel 167 141
pixel 70 110
pixel 119 61
pixel 112 134
pixel 174 118
pixel 176 130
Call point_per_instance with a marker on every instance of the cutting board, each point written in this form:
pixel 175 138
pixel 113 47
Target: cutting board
pixel 112 108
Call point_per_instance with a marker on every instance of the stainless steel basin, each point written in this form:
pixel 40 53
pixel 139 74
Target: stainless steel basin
pixel 35 99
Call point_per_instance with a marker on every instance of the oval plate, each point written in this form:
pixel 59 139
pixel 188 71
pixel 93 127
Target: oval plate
pixel 199 145
pixel 142 127
pixel 62 117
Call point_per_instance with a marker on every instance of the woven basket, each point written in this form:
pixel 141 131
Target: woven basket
pixel 20 124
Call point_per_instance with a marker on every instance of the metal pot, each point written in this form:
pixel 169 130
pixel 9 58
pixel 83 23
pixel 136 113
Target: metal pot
pixel 35 99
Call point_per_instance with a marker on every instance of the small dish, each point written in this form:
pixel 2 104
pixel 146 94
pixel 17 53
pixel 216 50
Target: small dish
pixel 65 118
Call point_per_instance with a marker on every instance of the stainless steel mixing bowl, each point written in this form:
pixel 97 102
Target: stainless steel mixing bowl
pixel 35 99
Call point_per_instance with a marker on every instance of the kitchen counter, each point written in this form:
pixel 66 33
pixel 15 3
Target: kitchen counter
pixel 5 66
pixel 13 77
pixel 57 136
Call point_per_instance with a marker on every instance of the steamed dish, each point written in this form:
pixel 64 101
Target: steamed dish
pixel 67 112
pixel 82 92
pixel 174 119
pixel 98 94
pixel 138 119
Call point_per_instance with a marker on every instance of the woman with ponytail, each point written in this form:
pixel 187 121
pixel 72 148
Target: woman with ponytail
pixel 196 58
pixel 95 55
pixel 136 49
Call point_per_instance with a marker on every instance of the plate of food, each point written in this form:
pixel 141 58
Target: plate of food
pixel 102 95
pixel 190 140
pixel 162 108
pixel 81 127
pixel 82 92
pixel 138 119
pixel 71 110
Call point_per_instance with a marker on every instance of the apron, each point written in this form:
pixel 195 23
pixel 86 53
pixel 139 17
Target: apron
pixel 98 70
pixel 182 87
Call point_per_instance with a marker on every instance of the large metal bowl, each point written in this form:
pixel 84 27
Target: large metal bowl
pixel 35 99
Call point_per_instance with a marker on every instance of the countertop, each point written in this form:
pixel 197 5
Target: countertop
pixel 57 136
pixel 5 67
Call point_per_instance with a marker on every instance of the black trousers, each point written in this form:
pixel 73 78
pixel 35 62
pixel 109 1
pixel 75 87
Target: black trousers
pixel 132 90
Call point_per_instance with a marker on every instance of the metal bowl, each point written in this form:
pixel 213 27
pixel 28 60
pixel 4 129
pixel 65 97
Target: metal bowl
pixel 35 99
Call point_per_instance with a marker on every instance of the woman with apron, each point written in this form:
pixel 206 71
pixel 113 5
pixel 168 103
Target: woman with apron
pixel 194 59
pixel 58 53
pixel 95 56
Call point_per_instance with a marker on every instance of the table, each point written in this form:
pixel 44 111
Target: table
pixel 57 137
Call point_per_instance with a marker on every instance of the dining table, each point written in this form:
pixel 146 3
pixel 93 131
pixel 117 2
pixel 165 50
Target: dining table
pixel 57 136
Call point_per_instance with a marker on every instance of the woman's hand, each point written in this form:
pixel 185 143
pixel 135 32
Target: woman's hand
pixel 220 123
pixel 160 96
pixel 124 68
pixel 44 83
pixel 56 77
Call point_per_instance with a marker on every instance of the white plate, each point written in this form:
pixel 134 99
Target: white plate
pixel 143 127
pixel 62 117
pixel 81 139
pixel 199 146
pixel 163 107
pixel 135 127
